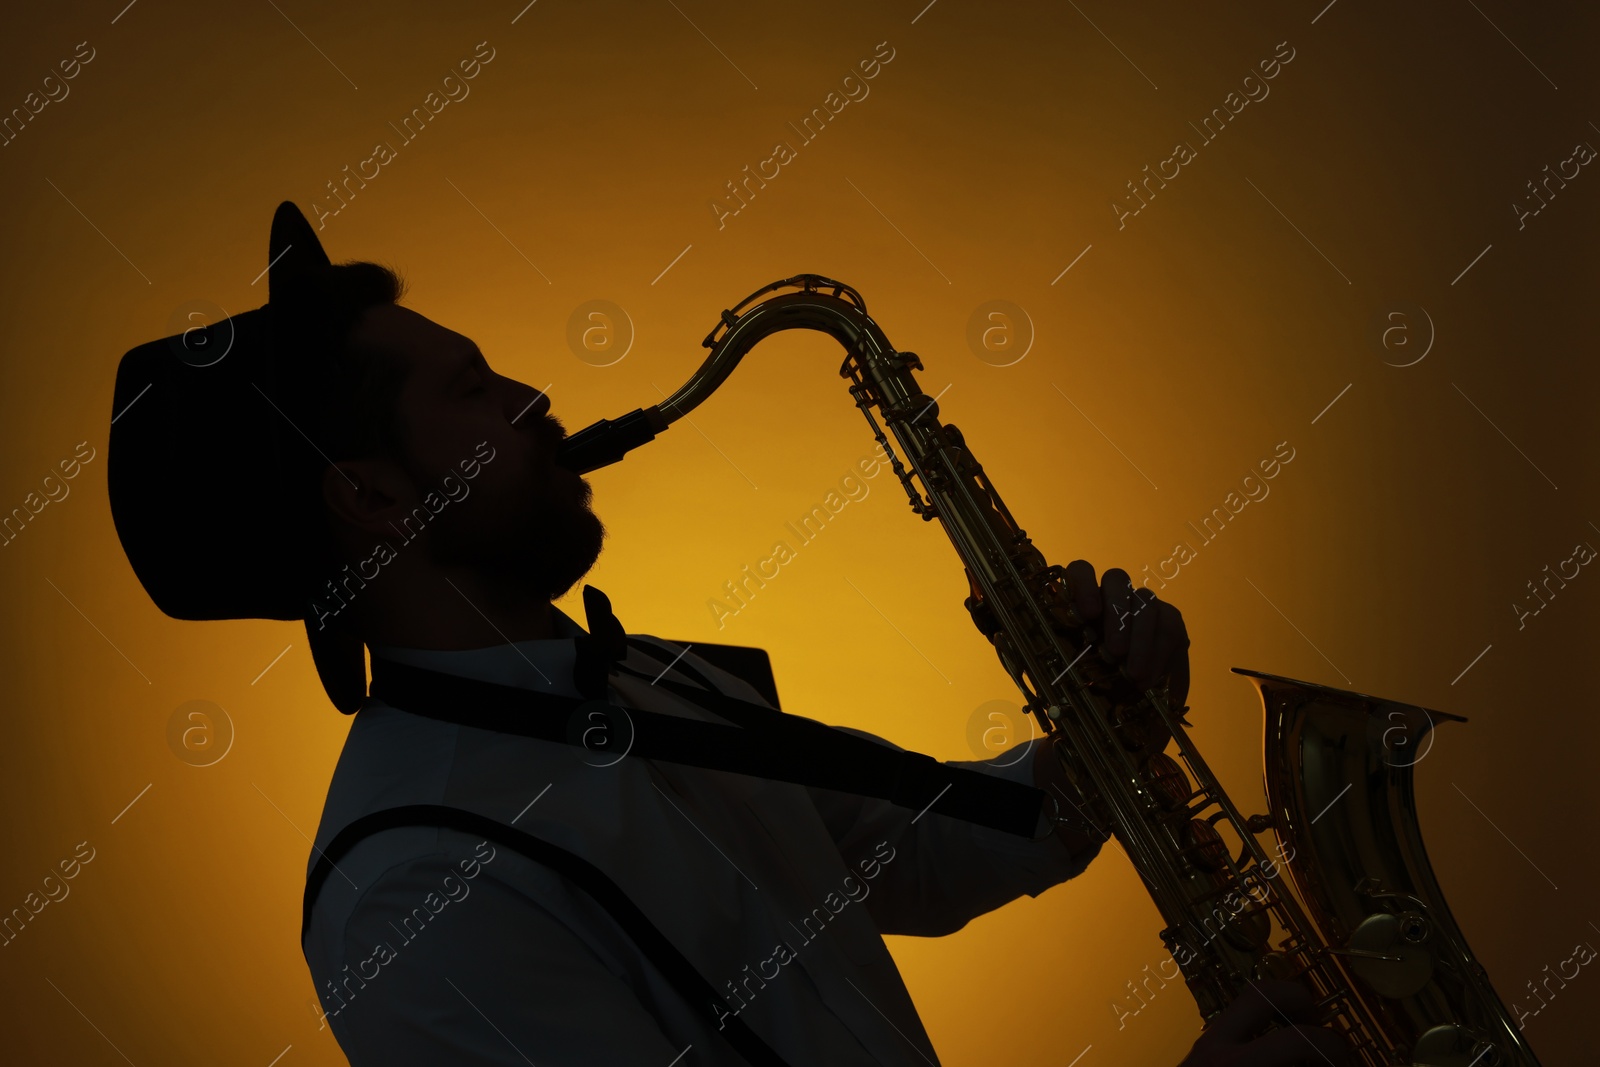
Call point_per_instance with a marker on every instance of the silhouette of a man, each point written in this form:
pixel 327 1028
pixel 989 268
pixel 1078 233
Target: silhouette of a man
pixel 364 469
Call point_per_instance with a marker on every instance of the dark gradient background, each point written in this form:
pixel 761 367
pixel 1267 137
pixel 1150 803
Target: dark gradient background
pixel 1243 307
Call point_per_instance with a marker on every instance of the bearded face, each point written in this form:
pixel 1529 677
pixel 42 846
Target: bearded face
pixel 485 445
pixel 533 528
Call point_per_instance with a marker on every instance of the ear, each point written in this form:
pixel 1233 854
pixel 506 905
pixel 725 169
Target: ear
pixel 368 494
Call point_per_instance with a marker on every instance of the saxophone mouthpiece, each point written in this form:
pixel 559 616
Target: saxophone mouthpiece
pixel 608 440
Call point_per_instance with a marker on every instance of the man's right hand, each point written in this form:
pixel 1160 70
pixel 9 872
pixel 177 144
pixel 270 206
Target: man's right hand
pixel 1231 1041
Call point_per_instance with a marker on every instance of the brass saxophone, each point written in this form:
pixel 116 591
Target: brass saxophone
pixel 1384 959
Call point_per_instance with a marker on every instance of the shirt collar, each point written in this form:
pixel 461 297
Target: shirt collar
pixel 543 664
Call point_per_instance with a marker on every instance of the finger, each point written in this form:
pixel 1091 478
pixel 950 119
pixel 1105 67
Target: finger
pixel 1295 1045
pixel 1116 594
pixel 1178 680
pixel 1169 651
pixel 1270 1000
pixel 1083 592
pixel 1144 665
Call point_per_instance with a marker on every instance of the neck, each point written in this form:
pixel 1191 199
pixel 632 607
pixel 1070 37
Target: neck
pixel 451 609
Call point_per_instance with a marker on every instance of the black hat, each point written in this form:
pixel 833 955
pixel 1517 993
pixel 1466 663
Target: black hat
pixel 213 470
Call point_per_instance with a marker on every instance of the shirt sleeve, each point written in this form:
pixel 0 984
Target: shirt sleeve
pixel 947 871
pixel 490 978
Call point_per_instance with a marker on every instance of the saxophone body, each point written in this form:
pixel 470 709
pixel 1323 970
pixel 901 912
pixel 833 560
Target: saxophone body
pixel 1346 903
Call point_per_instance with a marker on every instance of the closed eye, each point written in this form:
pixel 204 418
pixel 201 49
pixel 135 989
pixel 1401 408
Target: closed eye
pixel 484 375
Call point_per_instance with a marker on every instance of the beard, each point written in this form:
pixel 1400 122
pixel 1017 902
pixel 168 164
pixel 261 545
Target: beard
pixel 562 549
pixel 539 544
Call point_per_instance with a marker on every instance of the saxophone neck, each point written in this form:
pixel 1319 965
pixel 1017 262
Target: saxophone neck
pixel 812 302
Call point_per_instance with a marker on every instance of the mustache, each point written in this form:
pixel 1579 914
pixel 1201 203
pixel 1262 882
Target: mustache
pixel 551 431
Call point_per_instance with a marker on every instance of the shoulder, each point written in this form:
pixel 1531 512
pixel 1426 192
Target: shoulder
pixel 389 758
pixel 734 682
pixel 464 911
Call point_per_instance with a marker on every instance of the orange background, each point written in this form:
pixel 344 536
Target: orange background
pixel 1205 331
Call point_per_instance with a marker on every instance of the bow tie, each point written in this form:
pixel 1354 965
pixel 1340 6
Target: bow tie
pixel 599 649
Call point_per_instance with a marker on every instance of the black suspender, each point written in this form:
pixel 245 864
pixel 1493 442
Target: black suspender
pixel 662 953
pixel 765 743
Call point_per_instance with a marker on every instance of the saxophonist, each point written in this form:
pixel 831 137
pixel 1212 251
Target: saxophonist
pixel 366 470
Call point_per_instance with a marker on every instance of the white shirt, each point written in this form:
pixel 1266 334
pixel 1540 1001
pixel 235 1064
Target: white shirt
pixel 429 946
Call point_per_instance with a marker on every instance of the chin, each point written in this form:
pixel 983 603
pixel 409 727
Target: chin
pixel 541 551
pixel 562 555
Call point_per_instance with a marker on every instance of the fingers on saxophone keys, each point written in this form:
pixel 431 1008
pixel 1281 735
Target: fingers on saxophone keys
pixel 1083 592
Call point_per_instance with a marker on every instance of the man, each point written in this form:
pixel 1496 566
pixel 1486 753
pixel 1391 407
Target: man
pixel 431 524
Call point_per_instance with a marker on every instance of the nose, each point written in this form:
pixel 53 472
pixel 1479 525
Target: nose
pixel 528 403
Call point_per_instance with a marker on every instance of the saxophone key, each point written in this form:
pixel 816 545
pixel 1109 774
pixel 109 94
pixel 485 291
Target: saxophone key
pixel 1166 781
pixel 1383 956
pixel 1206 845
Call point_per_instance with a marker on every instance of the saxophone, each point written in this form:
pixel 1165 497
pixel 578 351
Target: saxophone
pixel 1364 926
